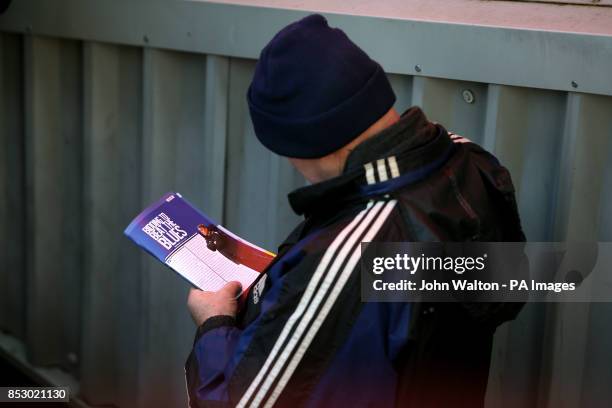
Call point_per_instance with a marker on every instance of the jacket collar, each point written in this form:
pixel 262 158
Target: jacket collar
pixel 401 154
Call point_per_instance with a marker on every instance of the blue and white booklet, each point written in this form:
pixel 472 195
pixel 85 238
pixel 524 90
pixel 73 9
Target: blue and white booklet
pixel 194 246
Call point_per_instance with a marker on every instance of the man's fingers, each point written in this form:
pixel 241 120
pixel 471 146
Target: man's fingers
pixel 232 289
pixel 205 304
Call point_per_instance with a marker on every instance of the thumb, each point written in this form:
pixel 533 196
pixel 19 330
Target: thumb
pixel 231 289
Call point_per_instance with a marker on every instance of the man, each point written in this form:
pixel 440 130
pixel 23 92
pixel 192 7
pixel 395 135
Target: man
pixel 306 339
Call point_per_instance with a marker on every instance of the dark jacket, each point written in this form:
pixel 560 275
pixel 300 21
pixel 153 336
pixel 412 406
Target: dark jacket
pixel 306 339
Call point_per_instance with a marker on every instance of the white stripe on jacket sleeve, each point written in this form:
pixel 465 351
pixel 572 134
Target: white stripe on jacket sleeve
pixel 305 300
pixel 329 303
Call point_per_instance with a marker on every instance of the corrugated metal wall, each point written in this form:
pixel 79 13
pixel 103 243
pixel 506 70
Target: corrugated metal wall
pixel 94 133
pixel 91 132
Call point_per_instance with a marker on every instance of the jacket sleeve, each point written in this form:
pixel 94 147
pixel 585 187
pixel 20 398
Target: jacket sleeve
pixel 222 341
pixel 206 370
pixel 501 193
pixel 306 312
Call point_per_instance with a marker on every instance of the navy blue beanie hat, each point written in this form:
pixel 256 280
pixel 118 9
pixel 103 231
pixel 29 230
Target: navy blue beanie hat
pixel 314 90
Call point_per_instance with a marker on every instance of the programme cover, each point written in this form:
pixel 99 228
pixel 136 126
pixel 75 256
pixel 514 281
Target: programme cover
pixel 197 248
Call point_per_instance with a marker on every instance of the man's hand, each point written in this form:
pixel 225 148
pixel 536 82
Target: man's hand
pixel 203 305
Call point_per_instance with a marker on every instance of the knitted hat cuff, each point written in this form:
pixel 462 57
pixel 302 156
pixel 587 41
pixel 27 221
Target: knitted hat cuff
pixel 324 133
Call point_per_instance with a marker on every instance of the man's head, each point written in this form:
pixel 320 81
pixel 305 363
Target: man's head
pixel 314 92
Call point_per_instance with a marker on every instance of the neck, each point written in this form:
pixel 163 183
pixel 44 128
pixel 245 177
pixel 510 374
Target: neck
pixel 332 165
